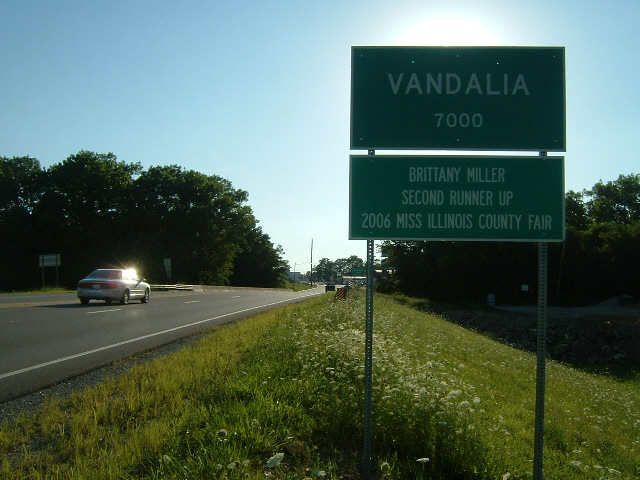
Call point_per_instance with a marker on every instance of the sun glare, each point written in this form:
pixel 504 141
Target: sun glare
pixel 447 31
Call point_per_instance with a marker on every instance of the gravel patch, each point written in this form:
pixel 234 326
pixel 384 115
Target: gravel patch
pixel 598 336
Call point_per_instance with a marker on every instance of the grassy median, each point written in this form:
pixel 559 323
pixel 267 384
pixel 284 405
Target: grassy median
pixel 280 395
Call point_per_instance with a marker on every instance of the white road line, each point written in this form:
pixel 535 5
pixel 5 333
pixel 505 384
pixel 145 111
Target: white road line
pixel 105 311
pixel 193 301
pixel 144 337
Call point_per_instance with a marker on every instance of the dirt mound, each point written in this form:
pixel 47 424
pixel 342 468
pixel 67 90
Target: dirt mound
pixel 593 336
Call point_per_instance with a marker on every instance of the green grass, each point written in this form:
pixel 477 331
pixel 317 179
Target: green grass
pixel 297 286
pixel 280 395
pixel 45 290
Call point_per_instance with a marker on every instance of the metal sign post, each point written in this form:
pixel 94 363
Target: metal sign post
pixel 538 440
pixel 49 260
pixel 542 355
pixel 368 366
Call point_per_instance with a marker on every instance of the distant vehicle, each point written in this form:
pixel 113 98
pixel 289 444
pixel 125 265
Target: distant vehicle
pixel 329 287
pixel 113 285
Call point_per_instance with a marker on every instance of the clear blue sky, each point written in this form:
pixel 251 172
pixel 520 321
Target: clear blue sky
pixel 258 92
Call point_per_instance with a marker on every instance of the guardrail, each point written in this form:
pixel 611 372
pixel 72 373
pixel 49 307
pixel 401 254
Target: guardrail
pixel 171 287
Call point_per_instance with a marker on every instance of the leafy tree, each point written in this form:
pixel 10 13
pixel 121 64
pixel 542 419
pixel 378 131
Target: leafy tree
pixel 87 207
pixel 93 186
pixel 344 266
pixel 324 270
pixel 600 262
pixel 195 219
pixel 462 271
pixel 259 264
pixel 21 180
pixel 576 210
pixel 615 201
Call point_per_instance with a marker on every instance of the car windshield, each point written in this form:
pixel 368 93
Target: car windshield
pixel 108 274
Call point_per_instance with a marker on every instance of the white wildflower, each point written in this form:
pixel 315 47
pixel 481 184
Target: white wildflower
pixel 275 460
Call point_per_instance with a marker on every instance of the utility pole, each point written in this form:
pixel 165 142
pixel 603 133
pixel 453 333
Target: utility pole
pixel 311 269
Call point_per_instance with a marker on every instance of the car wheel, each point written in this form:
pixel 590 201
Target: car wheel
pixel 145 299
pixel 125 298
pixel 84 301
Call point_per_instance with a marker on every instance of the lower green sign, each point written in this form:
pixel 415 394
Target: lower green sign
pixel 456 198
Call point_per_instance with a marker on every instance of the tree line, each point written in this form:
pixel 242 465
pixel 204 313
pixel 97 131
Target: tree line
pixel 97 212
pixel 330 271
pixel 599 259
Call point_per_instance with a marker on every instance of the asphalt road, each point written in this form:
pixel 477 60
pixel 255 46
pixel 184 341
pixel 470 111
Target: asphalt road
pixel 45 339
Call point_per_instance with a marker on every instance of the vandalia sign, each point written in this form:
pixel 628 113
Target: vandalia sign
pixel 459 98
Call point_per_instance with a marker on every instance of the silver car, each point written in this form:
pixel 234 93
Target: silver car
pixel 113 285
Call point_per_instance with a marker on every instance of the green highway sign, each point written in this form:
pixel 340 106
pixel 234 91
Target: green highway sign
pixel 484 198
pixel 458 98
pixel 50 260
pixel 358 271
